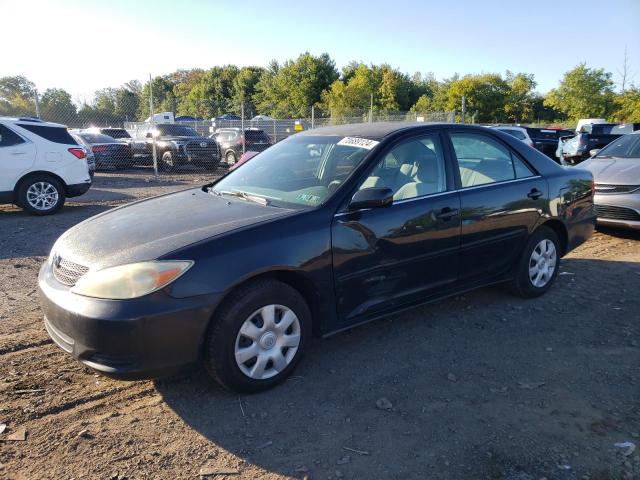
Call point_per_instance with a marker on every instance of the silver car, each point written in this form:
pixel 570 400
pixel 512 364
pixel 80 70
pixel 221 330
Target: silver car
pixel 616 172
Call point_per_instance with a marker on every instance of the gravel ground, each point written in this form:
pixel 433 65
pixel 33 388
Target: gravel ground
pixel 484 385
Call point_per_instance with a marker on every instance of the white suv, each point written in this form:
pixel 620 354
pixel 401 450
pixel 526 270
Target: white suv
pixel 520 133
pixel 40 165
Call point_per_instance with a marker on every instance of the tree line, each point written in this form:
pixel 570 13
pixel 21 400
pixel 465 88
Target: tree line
pixel 291 88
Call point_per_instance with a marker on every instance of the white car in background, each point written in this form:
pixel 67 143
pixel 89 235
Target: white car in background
pixel 519 132
pixel 40 165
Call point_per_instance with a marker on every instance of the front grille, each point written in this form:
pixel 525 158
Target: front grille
pixel 611 188
pixel 617 213
pixel 195 149
pixel 67 272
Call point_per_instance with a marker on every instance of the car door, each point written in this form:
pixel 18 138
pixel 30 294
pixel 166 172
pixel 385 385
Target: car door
pixel 386 258
pixel 501 199
pixel 17 155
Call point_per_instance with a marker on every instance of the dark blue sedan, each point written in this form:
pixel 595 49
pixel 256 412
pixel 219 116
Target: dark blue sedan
pixel 323 231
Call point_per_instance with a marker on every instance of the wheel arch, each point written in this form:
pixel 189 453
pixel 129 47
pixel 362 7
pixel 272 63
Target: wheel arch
pixel 37 173
pixel 296 280
pixel 560 230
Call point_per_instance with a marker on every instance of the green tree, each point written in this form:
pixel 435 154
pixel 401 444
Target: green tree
pixel 520 98
pixel 164 99
pixel 583 93
pixel 485 94
pixel 127 101
pixel 17 96
pixel 627 105
pixel 291 89
pixel 56 106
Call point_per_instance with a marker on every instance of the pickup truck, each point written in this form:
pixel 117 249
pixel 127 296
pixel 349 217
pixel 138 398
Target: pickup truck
pixel 574 149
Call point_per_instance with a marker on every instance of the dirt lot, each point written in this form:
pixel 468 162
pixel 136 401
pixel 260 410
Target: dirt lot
pixel 480 386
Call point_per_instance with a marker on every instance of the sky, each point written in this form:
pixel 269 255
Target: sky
pixel 84 45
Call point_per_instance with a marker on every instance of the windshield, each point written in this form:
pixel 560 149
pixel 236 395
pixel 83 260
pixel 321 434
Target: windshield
pixel 627 146
pixel 299 171
pixel 116 133
pixel 176 130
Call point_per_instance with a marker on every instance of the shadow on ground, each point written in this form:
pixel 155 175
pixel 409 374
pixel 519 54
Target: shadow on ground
pixel 483 385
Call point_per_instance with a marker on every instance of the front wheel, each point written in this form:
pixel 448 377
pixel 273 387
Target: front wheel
pixel 167 164
pixel 231 159
pixel 539 265
pixel 41 195
pixel 258 337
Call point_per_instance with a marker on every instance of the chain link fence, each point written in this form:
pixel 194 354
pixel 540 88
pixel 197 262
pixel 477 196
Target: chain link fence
pixel 169 144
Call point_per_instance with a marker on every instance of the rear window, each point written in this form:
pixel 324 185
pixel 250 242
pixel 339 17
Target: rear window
pixel 625 128
pixel 53 134
pixel 603 129
pixel 256 136
pixel 627 146
pixel 116 132
pixel 548 133
pixel 514 133
pixel 97 138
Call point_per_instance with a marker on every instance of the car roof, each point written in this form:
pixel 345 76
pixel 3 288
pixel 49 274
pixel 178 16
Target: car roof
pixel 30 120
pixel 376 130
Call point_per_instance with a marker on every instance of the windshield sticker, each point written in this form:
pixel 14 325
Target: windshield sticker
pixel 358 142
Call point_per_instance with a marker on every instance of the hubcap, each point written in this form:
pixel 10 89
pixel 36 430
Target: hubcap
pixel 542 263
pixel 267 342
pixel 42 195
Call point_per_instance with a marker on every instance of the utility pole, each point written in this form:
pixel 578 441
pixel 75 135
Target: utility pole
pixel 625 73
pixel 153 128
pixel 242 124
pixel 371 109
pixel 35 96
pixel 464 108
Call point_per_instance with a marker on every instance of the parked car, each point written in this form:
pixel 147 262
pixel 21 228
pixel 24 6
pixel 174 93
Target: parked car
pixel 616 170
pixel 231 141
pixel 137 147
pixel 40 165
pixel 108 152
pixel 91 158
pixel 543 139
pixel 592 136
pixel 178 145
pixel 323 231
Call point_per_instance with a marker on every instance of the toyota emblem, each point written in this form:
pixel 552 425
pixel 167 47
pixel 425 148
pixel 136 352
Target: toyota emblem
pixel 203 144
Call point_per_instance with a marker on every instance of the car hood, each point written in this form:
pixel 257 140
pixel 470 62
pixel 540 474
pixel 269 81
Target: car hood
pixel 151 228
pixel 618 171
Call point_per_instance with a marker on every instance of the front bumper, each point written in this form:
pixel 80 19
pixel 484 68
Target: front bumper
pixel 147 337
pixel 618 209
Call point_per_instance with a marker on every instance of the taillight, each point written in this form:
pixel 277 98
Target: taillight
pixel 582 141
pixel 78 153
pixel 99 148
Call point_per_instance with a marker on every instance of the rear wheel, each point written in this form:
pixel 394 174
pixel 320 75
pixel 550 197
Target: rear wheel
pixel 231 159
pixel 539 265
pixel 41 195
pixel 258 336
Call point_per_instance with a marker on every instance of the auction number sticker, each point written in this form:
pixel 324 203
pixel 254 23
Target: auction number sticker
pixel 358 142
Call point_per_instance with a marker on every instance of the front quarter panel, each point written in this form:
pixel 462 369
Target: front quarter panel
pixel 298 246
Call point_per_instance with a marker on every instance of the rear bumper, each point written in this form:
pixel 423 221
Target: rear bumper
pixel 133 339
pixel 78 189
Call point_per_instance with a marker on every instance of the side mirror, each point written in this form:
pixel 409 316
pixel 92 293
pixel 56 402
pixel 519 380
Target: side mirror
pixel 594 152
pixel 374 197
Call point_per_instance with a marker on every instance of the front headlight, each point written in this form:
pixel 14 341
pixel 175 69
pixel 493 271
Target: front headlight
pixel 131 281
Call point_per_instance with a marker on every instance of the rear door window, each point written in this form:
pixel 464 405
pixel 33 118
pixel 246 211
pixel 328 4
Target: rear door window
pixel 53 134
pixel 8 137
pixel 483 160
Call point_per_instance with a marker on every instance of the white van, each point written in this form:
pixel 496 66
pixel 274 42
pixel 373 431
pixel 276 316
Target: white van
pixel 40 165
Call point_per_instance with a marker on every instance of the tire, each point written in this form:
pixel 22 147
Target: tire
pixel 41 195
pixel 230 158
pixel 242 310
pixel 166 162
pixel 533 278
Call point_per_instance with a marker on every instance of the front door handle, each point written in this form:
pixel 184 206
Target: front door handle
pixel 534 194
pixel 447 214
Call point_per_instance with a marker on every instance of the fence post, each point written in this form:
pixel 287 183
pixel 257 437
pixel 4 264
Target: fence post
pixel 464 109
pixel 313 116
pixel 242 124
pixel 35 96
pixel 153 128
pixel 371 110
pixel 275 134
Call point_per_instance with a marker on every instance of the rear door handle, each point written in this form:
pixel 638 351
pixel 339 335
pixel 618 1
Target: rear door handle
pixel 22 152
pixel 447 214
pixel 534 193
